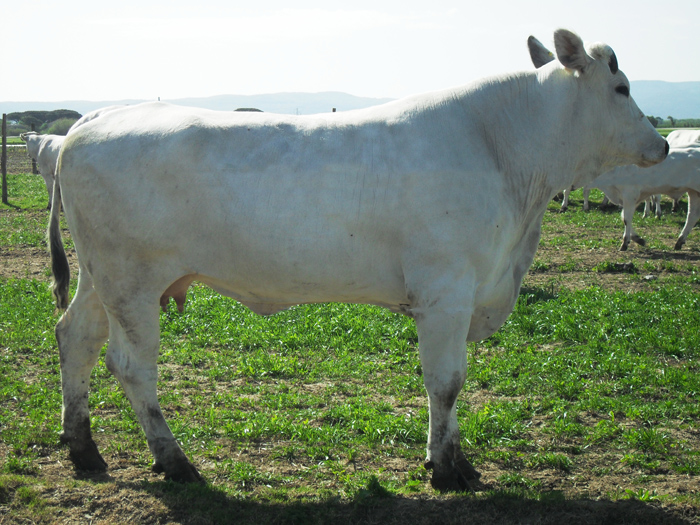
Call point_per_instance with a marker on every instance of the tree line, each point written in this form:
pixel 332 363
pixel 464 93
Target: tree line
pixel 54 122
pixel 670 122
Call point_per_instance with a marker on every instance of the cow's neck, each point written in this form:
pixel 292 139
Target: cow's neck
pixel 530 130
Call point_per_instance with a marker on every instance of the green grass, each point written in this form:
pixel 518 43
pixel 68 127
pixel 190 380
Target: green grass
pixel 333 383
pixel 25 191
pixel 319 413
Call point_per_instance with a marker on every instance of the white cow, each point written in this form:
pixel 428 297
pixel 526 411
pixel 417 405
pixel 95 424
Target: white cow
pixel 96 113
pixel 678 174
pixel 44 149
pixel 681 138
pixel 430 206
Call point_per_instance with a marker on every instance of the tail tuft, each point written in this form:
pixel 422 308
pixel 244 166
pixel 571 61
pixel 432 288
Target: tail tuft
pixel 59 262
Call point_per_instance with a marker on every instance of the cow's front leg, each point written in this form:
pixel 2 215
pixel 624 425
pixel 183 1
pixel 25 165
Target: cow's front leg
pixel 442 338
pixel 691 218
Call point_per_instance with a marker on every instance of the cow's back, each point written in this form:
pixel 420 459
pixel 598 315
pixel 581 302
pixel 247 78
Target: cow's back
pixel 682 138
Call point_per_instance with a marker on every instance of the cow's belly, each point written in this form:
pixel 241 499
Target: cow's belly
pixel 271 278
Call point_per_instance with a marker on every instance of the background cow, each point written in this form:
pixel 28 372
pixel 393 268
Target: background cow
pixel 430 206
pixel 681 138
pixel 678 174
pixel 586 194
pixel 44 149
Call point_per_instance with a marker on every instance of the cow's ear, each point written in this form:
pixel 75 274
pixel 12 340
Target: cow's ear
pixel 570 50
pixel 539 54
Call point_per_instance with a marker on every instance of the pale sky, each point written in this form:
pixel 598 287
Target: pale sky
pixel 144 49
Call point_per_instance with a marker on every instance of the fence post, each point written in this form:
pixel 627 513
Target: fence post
pixel 3 159
pixel 34 170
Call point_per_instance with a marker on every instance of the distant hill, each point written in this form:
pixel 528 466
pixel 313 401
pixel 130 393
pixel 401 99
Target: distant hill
pixel 678 99
pixel 289 103
pixel 661 99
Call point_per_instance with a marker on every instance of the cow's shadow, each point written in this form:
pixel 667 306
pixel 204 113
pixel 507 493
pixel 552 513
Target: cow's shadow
pixel 205 503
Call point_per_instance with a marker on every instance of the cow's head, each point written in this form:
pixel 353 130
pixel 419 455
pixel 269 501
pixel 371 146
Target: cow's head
pixel 33 141
pixel 603 100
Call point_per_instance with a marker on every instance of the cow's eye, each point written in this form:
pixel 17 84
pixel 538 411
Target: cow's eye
pixel 623 90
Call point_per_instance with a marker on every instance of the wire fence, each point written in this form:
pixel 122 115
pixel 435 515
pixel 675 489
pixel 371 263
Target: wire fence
pixel 17 159
pixel 13 159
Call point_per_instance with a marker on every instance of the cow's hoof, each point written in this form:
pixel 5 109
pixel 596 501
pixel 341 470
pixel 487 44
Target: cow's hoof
pixel 679 244
pixel 84 454
pixel 183 472
pixel 459 477
pixel 623 247
pixel 639 240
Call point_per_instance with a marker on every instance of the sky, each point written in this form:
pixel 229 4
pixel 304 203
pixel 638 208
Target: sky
pixel 143 49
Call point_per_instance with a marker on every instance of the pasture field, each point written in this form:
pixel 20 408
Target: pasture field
pixel 583 408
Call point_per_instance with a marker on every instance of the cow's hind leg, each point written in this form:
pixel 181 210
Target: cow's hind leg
pixel 627 216
pixel 134 340
pixel 48 181
pixel 442 338
pixel 691 218
pixel 81 332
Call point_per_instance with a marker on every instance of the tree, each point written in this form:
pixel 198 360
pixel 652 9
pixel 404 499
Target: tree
pixel 673 121
pixel 58 127
pixel 653 120
pixel 39 118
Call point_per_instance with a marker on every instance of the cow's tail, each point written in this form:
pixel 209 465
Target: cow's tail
pixel 59 261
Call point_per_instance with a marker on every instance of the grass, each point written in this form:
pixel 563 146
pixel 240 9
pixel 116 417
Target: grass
pixel 25 191
pixel 583 404
pixel 14 141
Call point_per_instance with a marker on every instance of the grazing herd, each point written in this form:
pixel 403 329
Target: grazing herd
pixel 630 185
pixel 430 206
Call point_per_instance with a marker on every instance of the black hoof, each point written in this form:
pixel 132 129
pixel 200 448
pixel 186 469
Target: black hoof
pixel 181 473
pixel 85 455
pixel 460 477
